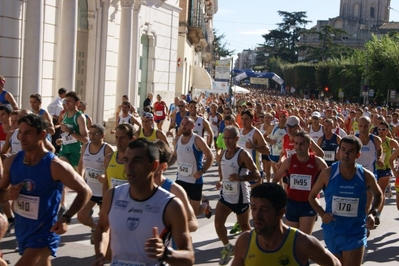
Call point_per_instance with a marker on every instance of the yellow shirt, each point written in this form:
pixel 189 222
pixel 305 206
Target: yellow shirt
pixel 152 137
pixel 115 172
pixel 284 255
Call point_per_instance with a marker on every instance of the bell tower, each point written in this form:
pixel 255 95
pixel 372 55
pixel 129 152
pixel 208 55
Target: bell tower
pixel 375 12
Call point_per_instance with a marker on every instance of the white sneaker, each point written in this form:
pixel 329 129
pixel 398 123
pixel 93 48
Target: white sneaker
pixel 226 255
pixel 388 192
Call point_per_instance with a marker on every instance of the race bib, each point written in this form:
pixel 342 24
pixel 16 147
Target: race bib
pixel 346 207
pixel 329 156
pixel 241 141
pixel 300 182
pixel 185 169
pixel 27 206
pixel 382 155
pixel 66 140
pixel 230 187
pixel 117 182
pixel 290 153
pixel 91 174
pixel 126 263
pixel 159 113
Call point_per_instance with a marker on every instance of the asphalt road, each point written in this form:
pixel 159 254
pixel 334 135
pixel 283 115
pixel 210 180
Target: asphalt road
pixel 75 247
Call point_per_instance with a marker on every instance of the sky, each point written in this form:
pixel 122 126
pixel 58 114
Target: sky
pixel 245 21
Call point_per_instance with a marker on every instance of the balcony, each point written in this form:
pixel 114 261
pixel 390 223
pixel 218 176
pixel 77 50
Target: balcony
pixel 196 23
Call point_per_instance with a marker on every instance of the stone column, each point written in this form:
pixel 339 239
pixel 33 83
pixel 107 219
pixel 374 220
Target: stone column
pixel 33 51
pixel 124 51
pixel 136 44
pixel 66 60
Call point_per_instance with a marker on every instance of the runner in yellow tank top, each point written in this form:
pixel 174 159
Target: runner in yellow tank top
pixel 273 242
pixel 114 165
pixel 148 131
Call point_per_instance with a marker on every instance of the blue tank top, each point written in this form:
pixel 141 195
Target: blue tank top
pixel 179 119
pixel 3 97
pixel 39 199
pixel 222 126
pixel 346 200
pixel 167 184
pixel 329 147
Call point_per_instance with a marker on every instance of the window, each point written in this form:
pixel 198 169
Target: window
pixel 372 12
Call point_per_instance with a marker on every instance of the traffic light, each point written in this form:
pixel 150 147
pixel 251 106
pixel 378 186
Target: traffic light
pixel 326 89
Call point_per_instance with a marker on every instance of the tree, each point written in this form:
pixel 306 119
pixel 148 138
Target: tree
pixel 328 47
pixel 282 42
pixel 220 49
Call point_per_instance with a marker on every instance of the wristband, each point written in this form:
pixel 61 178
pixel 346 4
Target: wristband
pixel 70 133
pixel 166 254
pixel 68 218
pixel 203 171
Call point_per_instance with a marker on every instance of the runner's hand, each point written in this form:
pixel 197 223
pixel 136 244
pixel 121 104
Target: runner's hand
pixel 14 190
pixel 154 246
pixel 327 218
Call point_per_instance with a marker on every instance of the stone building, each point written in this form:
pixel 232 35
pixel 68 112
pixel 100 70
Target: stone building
pixel 102 49
pixel 360 19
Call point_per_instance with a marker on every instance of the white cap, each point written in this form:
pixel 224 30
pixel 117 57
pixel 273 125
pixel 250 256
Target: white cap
pixel 317 114
pixel 292 121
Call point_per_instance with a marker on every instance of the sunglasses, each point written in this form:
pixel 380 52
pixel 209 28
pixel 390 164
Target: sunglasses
pixel 180 105
pixel 261 117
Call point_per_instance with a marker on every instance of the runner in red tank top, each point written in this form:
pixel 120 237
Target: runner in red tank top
pixel 302 169
pixel 160 111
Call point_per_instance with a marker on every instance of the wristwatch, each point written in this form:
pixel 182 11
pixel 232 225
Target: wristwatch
pixel 67 218
pixel 203 171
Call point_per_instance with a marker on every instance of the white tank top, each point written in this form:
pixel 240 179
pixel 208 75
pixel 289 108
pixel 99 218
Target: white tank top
pixel 232 190
pixel 124 120
pixel 254 154
pixel 315 135
pixel 94 165
pixel 199 126
pixel 368 155
pixel 15 144
pixel 215 128
pixel 131 223
pixel 189 161
pixel 278 135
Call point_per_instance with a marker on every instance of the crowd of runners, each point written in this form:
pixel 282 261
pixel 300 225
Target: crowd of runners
pixel 277 158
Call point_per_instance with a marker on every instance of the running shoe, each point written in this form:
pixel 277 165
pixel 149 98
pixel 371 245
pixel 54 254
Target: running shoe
pixel 208 209
pixel 10 227
pixel 236 229
pixel 226 255
pixel 388 192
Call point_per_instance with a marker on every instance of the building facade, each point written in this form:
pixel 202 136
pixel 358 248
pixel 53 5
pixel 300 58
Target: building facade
pixel 102 49
pixel 360 19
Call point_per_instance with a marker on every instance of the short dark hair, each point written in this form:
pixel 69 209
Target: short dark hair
pixel 272 192
pixel 100 127
pixel 36 96
pixel 73 95
pixel 164 151
pixel 35 121
pixel 7 108
pixel 194 102
pixel 384 123
pixel 128 128
pixel 352 140
pixel 150 147
pixel 61 91
pixel 248 112
pixel 305 135
pixel 127 104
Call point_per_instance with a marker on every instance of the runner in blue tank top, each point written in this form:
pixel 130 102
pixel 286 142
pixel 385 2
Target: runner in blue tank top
pixel 329 142
pixel 345 218
pixel 33 179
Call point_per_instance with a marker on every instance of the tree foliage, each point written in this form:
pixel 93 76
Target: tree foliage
pixel 283 41
pixel 220 49
pixel 329 44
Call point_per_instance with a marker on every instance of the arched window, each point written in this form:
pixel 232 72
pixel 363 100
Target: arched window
pixel 372 12
pixel 356 10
